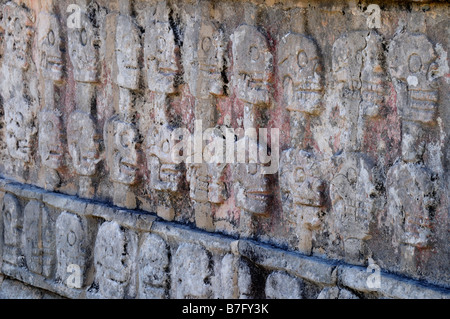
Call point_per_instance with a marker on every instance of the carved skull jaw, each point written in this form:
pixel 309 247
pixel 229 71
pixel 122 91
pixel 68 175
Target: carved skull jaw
pixel 127 53
pixel 84 51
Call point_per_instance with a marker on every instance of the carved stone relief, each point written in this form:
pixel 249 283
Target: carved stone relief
pixel 39 246
pixel 353 193
pixel 12 231
pixel 153 268
pixel 72 246
pixel 191 272
pixel 113 263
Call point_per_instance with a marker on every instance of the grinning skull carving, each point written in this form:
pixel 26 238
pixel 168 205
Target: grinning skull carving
pixel 18 23
pixel 161 58
pixel 252 69
pixel 83 142
pixel 121 151
pixel 84 46
pixel 299 177
pixel 166 175
pixel 51 47
pixel 20 129
pixel 51 147
pixel 412 63
pixel 357 69
pixel 301 73
pixel 12 229
pixel 253 189
pixel 128 47
pixel 411 198
pixel 112 260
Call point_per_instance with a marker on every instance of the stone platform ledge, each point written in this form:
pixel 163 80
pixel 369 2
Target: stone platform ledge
pixel 318 271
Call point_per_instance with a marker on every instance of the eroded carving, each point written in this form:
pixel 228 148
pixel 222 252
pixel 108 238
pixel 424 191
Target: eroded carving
pixel 83 143
pixel 280 285
pixel 191 272
pixel 39 246
pixel 112 260
pixel 83 44
pixel 12 231
pixel 412 197
pixel 72 246
pixel 301 73
pixel 153 268
pixel 128 50
pixel 353 193
pixel 303 194
pixel 360 80
pixel 50 45
pixel 51 146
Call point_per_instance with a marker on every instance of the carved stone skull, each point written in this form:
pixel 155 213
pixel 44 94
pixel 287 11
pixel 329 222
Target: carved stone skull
pixel 161 58
pixel 300 176
pixel 121 151
pixel 83 142
pixel 18 32
pixel 166 174
pixel 412 63
pixel 71 245
pixel 12 229
pixel 301 73
pixel 253 189
pixel 411 198
pixel 112 261
pixel 252 65
pixel 84 45
pixel 51 147
pixel 357 69
pixel 210 60
pixel 51 46
pixel 128 47
pixel 20 129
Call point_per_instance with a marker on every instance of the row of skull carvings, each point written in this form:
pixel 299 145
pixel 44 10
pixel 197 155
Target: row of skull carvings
pixel 359 77
pixel 111 261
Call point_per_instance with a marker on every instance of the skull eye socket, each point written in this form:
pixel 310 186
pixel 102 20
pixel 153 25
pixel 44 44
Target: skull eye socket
pixel 206 44
pixel 302 59
pixel 299 175
pixel 51 38
pixel 415 63
pixel 83 37
pixel 254 53
pixel 252 168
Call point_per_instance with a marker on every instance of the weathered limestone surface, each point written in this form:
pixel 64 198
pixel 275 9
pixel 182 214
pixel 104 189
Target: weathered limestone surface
pixel 224 149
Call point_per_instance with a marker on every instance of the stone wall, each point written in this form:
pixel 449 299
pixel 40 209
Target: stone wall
pixel 107 189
